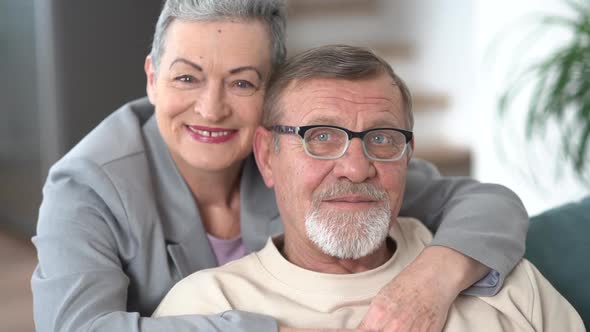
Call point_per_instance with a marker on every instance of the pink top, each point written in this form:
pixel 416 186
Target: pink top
pixel 227 250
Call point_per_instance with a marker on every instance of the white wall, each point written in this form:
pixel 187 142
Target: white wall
pixel 443 61
pixel 502 153
pixel 452 41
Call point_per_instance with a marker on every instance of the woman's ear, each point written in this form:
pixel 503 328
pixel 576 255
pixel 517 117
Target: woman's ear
pixel 150 75
pixel 263 151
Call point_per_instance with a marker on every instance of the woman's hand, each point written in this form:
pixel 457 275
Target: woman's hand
pixel 419 298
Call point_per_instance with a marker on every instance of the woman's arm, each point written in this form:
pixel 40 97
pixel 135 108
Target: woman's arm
pixel 486 222
pixel 478 228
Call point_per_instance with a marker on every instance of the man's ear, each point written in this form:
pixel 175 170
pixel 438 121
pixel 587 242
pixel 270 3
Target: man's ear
pixel 263 153
pixel 150 75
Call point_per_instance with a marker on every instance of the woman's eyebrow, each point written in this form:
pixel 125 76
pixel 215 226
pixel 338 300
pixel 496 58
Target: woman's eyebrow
pixel 246 68
pixel 185 61
pixel 233 71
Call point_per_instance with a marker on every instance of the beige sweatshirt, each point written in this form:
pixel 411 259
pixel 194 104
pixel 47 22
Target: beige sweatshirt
pixel 265 282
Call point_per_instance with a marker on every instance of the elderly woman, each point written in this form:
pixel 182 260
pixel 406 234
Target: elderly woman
pixel 167 186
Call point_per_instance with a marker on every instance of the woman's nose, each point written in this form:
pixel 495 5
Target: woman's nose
pixel 211 104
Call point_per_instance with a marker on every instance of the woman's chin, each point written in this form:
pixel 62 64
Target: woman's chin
pixel 214 162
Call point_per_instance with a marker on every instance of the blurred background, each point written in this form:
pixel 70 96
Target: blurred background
pixel 66 65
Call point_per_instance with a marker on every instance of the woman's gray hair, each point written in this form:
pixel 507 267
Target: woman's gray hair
pixel 331 61
pixel 272 12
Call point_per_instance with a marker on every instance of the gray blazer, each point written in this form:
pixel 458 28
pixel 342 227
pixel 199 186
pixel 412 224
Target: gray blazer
pixel 118 227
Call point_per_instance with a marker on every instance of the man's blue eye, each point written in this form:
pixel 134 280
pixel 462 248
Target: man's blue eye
pixel 320 137
pixel 323 137
pixel 381 139
pixel 378 139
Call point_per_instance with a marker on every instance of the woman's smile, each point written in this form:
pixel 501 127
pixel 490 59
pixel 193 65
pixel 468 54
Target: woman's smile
pixel 211 135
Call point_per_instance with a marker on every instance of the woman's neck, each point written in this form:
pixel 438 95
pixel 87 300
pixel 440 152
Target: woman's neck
pixel 213 188
pixel 217 194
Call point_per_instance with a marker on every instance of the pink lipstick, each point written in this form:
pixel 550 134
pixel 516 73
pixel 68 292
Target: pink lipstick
pixel 211 135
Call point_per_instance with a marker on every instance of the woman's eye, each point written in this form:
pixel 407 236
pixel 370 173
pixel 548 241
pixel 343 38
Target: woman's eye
pixel 185 79
pixel 243 88
pixel 244 84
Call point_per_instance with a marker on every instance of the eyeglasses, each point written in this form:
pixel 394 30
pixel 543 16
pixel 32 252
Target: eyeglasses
pixel 331 142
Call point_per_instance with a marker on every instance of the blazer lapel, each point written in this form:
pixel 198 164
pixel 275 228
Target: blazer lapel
pixel 186 239
pixel 259 216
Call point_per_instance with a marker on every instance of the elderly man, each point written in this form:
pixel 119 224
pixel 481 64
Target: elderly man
pixel 335 147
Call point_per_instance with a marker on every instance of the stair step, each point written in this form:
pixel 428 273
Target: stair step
pixel 387 50
pixel 394 50
pixel 430 102
pixel 451 160
pixel 299 8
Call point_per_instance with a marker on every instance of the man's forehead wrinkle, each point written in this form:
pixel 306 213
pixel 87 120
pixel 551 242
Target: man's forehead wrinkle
pixel 356 101
pixel 346 94
pixel 324 119
pixel 375 118
pixel 342 103
pixel 334 112
pixel 318 100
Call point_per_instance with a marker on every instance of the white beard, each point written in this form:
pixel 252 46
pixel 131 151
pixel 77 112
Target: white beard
pixel 348 235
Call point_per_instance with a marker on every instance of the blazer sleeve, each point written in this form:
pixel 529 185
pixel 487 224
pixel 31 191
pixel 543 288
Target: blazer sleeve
pixel 486 222
pixel 80 284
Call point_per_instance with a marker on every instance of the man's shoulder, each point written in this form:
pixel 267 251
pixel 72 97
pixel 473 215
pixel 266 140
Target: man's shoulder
pixel 522 280
pixel 211 290
pixel 412 231
pixel 241 268
pixel 526 292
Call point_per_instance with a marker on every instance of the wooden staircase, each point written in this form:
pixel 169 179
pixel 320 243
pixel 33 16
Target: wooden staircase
pixel 451 159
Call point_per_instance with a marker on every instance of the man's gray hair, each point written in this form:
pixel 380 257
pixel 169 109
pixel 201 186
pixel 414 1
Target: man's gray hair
pixel 271 12
pixel 331 61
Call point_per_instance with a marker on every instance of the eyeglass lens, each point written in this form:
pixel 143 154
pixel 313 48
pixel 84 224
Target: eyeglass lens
pixel 329 142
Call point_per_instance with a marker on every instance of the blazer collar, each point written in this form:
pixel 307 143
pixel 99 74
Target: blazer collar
pixel 259 215
pixel 181 220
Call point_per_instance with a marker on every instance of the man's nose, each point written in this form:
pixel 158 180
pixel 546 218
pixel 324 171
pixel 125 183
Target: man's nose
pixel 354 164
pixel 211 104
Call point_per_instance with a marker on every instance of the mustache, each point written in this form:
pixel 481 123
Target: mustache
pixel 345 187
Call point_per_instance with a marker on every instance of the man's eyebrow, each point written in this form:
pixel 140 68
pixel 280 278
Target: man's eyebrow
pixel 188 62
pixel 246 68
pixel 324 120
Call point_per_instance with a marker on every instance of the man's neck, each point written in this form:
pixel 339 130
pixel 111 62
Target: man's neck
pixel 313 259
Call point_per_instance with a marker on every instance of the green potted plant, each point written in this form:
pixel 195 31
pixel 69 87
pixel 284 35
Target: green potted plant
pixel 557 89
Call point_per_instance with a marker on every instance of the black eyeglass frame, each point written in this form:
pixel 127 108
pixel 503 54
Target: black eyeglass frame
pixel 300 131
